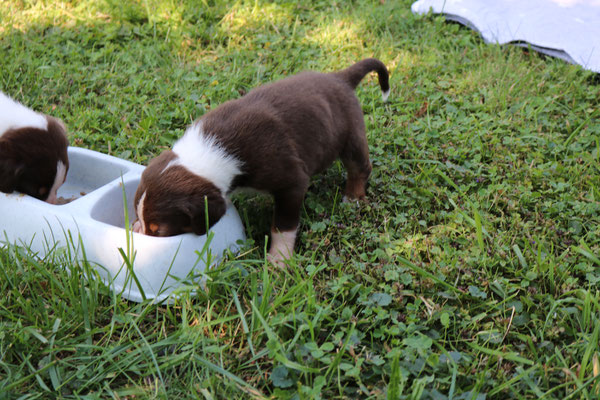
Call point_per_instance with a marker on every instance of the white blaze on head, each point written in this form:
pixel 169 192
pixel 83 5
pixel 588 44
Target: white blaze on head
pixel 140 226
pixel 14 115
pixel 202 155
pixel 59 179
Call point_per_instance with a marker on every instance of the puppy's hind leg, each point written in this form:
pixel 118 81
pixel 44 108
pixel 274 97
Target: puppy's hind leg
pixel 355 158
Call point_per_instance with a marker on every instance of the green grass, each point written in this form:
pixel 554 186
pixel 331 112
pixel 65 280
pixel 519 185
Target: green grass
pixel 472 271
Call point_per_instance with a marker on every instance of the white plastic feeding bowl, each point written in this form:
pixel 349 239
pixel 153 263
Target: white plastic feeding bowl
pixel 92 227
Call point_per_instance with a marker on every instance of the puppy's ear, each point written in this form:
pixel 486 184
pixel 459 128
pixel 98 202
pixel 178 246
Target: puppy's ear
pixel 10 173
pixel 198 212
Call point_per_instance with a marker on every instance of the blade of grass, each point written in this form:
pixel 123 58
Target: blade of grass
pixel 427 274
pixel 512 356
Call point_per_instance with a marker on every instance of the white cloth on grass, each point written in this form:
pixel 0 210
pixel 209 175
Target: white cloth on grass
pixel 568 29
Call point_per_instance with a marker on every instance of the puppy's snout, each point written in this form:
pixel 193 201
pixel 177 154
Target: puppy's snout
pixel 52 198
pixel 137 226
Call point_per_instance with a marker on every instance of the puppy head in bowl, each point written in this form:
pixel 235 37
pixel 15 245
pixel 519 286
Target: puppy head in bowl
pixel 33 151
pixel 171 200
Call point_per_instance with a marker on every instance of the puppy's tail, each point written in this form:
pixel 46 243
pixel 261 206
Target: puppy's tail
pixel 355 73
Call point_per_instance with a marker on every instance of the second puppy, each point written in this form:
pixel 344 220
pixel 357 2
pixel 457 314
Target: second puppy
pixel 33 151
pixel 273 139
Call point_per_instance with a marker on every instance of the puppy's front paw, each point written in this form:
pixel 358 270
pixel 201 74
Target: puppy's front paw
pixel 282 247
pixel 278 260
pixel 353 200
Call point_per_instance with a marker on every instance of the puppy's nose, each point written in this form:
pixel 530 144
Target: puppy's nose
pixel 137 226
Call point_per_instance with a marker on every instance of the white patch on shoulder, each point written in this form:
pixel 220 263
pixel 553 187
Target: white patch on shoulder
pixel 14 115
pixel 385 95
pixel 59 179
pixel 202 155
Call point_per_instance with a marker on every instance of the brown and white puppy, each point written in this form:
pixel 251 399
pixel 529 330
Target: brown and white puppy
pixel 273 140
pixel 33 151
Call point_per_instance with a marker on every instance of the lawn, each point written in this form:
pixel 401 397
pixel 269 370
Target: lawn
pixel 471 272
